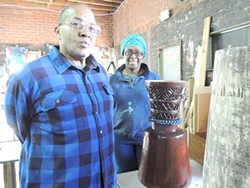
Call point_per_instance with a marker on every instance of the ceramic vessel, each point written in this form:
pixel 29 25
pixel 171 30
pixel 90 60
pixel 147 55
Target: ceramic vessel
pixel 165 158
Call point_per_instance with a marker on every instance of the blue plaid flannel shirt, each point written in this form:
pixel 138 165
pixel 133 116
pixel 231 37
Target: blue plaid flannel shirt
pixel 64 119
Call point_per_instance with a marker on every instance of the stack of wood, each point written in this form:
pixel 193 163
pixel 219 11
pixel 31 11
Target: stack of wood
pixel 197 108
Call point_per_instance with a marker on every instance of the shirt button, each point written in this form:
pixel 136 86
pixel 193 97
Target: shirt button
pixel 101 155
pixel 100 131
pixel 96 113
pixel 58 101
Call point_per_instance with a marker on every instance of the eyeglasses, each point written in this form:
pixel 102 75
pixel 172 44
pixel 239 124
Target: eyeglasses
pixel 131 52
pixel 79 25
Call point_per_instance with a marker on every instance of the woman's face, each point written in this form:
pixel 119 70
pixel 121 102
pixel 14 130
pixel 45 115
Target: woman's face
pixel 134 57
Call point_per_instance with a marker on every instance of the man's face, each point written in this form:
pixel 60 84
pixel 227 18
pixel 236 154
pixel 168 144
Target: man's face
pixel 77 33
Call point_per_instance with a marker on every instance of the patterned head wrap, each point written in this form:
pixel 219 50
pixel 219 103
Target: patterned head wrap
pixel 134 40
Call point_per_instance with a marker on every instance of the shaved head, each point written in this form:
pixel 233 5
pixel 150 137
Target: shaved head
pixel 69 10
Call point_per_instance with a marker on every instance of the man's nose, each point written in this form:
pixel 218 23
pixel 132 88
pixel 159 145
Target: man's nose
pixel 85 31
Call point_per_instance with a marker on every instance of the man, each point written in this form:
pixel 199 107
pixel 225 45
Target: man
pixel 60 106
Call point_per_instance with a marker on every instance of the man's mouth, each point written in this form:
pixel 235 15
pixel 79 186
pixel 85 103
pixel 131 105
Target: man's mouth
pixel 83 44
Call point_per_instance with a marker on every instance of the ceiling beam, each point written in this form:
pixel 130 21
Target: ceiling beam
pixel 99 3
pixel 114 1
pixel 95 3
pixel 58 5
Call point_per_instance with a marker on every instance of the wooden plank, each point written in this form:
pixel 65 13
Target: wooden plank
pixel 228 137
pixel 202 96
pixel 200 70
pixel 197 148
pixel 204 53
pixel 190 88
pixel 181 112
pixel 195 113
pixel 188 108
pixel 9 174
pixel 202 90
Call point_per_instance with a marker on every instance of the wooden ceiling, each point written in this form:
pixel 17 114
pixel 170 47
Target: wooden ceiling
pixel 98 6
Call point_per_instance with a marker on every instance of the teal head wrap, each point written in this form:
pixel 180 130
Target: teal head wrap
pixel 134 40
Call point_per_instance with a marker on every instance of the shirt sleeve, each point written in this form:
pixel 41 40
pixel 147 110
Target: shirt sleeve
pixel 16 108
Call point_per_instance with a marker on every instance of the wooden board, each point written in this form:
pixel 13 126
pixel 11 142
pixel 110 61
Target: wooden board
pixel 202 97
pixel 204 53
pixel 188 107
pixel 199 76
pixel 228 138
pixel 197 148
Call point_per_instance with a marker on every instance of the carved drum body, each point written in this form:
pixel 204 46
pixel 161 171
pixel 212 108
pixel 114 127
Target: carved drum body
pixel 165 159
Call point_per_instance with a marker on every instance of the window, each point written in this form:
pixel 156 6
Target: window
pixel 235 38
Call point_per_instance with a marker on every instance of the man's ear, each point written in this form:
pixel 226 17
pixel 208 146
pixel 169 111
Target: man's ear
pixel 57 32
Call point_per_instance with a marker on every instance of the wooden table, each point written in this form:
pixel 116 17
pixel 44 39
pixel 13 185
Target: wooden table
pixel 130 179
pixel 9 154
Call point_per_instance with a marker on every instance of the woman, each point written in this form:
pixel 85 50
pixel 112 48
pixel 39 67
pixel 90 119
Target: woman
pixel 132 107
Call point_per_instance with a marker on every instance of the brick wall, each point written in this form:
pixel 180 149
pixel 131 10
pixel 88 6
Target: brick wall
pixel 35 27
pixel 106 37
pixel 185 24
pixel 21 25
pixel 139 16
pixel 27 26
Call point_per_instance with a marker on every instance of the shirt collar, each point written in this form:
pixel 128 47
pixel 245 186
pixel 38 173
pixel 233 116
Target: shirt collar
pixel 91 63
pixel 62 64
